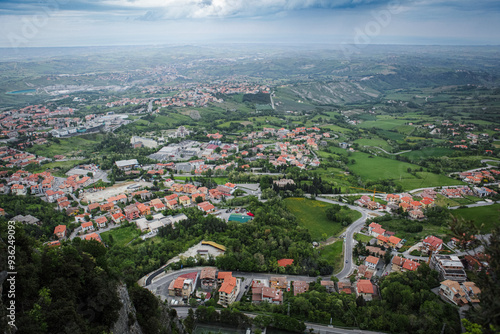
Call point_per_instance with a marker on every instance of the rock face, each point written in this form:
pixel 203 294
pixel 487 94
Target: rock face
pixel 127 322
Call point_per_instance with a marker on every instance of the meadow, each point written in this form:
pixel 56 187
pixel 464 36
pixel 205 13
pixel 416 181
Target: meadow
pixel 311 214
pixel 334 254
pixel 485 217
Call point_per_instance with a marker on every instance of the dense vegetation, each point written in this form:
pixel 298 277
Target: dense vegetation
pixel 406 305
pixel 35 206
pixel 60 290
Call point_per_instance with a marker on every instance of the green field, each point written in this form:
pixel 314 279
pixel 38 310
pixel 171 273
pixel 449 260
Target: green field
pixel 486 216
pixel 312 215
pixel 73 146
pixel 375 143
pixel 333 253
pixel 362 238
pixel 428 152
pixel 121 235
pixel 374 168
pixel 427 179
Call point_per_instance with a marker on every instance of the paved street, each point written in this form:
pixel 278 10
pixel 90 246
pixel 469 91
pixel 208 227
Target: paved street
pixel 355 227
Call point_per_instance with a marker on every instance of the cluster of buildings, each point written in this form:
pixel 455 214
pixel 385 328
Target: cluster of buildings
pixel 194 95
pixel 482 176
pixel 406 202
pixel 384 238
pixel 12 158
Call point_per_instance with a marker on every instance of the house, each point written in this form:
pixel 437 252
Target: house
pixel 132 212
pixel 432 243
pixel 106 207
pixel 392 198
pixel 18 189
pixel 397 263
pixel 345 287
pixel 221 276
pixel 376 251
pixel 81 217
pixel 92 236
pixel 101 221
pixel 300 287
pixel 365 289
pixel 371 262
pixel 449 267
pixel 183 285
pixel 228 291
pixel 206 207
pixel 394 242
pixel 207 278
pixel 452 291
pixel 184 200
pixel 410 265
pixel 64 205
pixel 2 212
pixel 93 206
pixel 170 197
pixel 375 230
pixel 278 282
pixel 118 217
pixel 260 292
pixel 329 286
pixel 172 204
pixel 471 292
pixel 194 196
pixel 60 231
pixel 416 214
pixel 382 240
pixel 143 209
pixel 272 295
pixel 87 226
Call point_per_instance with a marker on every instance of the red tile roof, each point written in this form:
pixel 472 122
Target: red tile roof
pixel 285 262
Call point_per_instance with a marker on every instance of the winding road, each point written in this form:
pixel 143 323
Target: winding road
pixel 355 227
pixel 380 148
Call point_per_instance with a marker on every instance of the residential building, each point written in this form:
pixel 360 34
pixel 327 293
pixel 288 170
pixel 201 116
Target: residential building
pixel 278 282
pixel 431 243
pixel 101 221
pixel 371 262
pixel 329 285
pixel 449 267
pixel 118 217
pixel 207 278
pixel 453 292
pixel 87 226
pixel 228 291
pixel 60 231
pixel 365 289
pixel 132 212
pixel 300 287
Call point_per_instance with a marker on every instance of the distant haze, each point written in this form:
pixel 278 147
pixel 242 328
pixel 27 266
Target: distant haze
pixel 35 23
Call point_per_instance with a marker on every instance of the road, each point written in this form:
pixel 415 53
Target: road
pixel 182 312
pixel 380 148
pixel 349 242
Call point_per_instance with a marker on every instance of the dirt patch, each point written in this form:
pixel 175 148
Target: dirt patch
pixel 117 189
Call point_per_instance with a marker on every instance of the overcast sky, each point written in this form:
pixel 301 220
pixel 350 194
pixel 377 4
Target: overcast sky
pixel 26 23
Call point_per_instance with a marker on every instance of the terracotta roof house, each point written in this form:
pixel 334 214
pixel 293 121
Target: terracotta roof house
pixel 364 288
pixel 60 231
